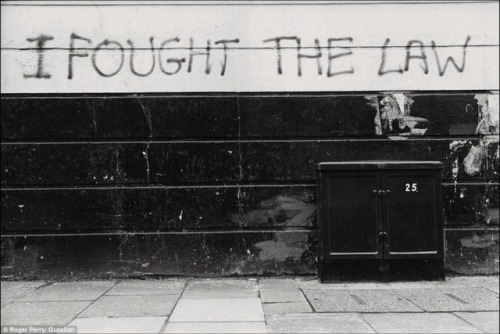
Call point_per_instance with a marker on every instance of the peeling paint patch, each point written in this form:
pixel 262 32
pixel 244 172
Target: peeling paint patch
pixel 280 210
pixel 474 162
pixel 472 252
pixel 285 247
pixel 479 242
pixel 488 114
pixel 396 116
pixel 277 250
pixel 373 102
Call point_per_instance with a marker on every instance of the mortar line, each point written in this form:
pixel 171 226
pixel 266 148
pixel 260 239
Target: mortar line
pixel 305 297
pixel 394 293
pixel 148 187
pixel 14 299
pixel 367 322
pixel 250 140
pixel 165 324
pixel 465 320
pixel 76 234
pixel 257 94
pixel 261 302
pixel 194 186
pixel 402 312
pixel 488 289
pixel 92 303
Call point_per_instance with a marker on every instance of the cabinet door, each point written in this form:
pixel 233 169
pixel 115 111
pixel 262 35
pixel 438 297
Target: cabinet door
pixel 352 217
pixel 412 214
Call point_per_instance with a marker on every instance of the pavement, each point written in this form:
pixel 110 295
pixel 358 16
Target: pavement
pixel 251 305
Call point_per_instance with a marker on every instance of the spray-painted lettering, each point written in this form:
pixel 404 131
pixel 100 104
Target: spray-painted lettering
pixel 332 57
pixel 421 57
pixel 318 54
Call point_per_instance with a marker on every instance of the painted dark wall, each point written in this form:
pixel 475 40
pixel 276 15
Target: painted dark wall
pixel 211 185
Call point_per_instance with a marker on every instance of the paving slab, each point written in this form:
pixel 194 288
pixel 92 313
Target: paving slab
pixel 358 301
pixel 316 285
pixel 216 327
pixel 446 300
pixel 488 322
pixel 41 313
pixel 220 289
pixel 318 323
pixel 277 283
pixel 119 325
pixel 163 287
pixel 218 310
pixel 18 289
pixel 70 291
pixel 419 323
pixel 131 306
pixel 277 296
pixel 286 308
pixel 489 282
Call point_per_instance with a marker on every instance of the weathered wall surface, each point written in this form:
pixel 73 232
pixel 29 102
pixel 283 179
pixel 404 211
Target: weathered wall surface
pixel 221 185
pixel 138 175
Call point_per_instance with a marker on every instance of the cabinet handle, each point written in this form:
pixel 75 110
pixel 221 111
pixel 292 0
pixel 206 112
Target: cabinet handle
pixel 381 193
pixel 382 235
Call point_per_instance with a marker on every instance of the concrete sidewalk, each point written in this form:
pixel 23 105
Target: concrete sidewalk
pixel 249 305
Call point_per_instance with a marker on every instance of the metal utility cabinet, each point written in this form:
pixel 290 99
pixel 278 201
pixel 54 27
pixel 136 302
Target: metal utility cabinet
pixel 386 211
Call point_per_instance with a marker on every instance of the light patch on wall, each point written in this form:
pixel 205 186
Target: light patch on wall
pixel 393 115
pixel 286 246
pixel 488 114
pixel 281 210
pixel 479 242
pixel 474 162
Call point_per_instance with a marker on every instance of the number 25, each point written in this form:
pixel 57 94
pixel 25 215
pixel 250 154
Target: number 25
pixel 411 187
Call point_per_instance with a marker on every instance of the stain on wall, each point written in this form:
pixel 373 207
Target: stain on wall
pixel 472 252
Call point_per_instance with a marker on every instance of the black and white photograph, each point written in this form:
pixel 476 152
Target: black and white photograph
pixel 238 166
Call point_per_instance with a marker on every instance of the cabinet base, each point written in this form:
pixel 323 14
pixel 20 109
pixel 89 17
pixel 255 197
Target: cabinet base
pixel 330 271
